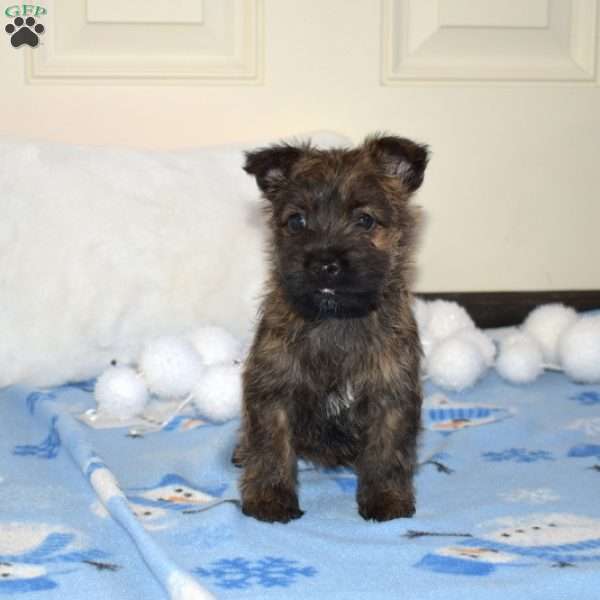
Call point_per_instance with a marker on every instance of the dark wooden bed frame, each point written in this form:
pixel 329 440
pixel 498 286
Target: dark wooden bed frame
pixel 500 309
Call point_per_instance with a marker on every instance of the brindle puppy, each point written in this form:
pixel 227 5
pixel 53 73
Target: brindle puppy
pixel 333 374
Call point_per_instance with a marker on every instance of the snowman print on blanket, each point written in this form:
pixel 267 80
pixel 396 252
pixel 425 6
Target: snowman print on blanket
pixel 16 577
pixel 448 416
pixel 151 517
pixel 174 493
pixel 35 556
pixel 557 540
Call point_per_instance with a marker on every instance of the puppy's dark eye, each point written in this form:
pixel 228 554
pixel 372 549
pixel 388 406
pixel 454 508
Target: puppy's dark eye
pixel 366 222
pixel 296 222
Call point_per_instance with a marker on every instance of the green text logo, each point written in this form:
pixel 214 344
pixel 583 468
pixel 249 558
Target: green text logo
pixel 25 10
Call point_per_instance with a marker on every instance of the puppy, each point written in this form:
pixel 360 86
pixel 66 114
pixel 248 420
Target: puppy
pixel 333 373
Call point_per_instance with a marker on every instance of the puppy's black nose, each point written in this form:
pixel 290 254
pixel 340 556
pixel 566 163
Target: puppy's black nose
pixel 324 264
pixel 330 268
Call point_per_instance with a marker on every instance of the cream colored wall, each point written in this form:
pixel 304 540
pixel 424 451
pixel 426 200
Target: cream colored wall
pixel 506 96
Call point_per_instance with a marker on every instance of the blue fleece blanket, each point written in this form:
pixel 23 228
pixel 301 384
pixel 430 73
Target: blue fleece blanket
pixel 508 506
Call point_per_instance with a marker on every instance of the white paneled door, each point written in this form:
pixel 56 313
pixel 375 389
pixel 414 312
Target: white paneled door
pixel 505 92
pixel 486 40
pixel 152 41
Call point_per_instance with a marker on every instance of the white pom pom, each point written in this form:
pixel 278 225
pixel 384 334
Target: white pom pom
pixel 483 342
pixel 545 324
pixel 171 366
pixel 215 345
pixel 120 392
pixel 455 363
pixel 579 350
pixel 218 396
pixel 520 359
pixel 446 318
pixel 420 310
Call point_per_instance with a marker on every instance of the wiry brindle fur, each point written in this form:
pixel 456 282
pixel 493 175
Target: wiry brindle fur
pixel 333 374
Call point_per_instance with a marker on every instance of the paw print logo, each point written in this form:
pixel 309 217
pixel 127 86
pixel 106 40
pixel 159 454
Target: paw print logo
pixel 24 31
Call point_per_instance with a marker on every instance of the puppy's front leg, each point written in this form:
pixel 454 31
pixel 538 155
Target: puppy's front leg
pixel 387 459
pixel 268 483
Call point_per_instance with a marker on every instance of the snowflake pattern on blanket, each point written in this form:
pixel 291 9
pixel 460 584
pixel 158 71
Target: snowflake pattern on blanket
pixel 590 426
pixel 47 448
pixel 268 572
pixel 585 451
pixel 34 398
pixel 587 398
pixel 519 455
pixel 530 495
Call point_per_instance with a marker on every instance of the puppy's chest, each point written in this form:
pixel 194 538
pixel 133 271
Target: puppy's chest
pixel 339 401
pixel 332 363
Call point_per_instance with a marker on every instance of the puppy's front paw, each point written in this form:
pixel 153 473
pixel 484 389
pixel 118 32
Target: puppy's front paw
pixel 273 505
pixel 386 506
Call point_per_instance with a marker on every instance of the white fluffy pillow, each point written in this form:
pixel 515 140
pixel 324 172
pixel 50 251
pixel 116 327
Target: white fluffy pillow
pixel 103 248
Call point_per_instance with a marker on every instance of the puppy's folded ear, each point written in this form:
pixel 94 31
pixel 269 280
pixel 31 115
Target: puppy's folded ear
pixel 272 166
pixel 399 157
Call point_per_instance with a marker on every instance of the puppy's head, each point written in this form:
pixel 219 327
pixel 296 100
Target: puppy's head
pixel 342 228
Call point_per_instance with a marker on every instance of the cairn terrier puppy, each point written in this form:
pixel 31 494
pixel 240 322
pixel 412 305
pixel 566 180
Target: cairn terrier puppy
pixel 333 373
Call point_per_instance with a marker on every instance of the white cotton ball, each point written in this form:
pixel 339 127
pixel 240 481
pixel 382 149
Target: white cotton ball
pixel 420 310
pixel 483 342
pixel 171 366
pixel 455 363
pixel 218 395
pixel 446 318
pixel 579 350
pixel 520 359
pixel 545 324
pixel 215 345
pixel 120 392
pixel 245 348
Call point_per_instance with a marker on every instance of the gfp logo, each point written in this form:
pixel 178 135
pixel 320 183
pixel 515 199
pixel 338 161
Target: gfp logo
pixel 24 29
